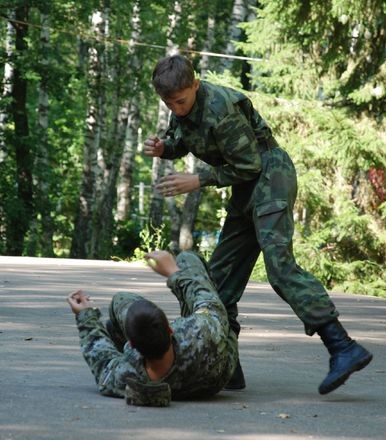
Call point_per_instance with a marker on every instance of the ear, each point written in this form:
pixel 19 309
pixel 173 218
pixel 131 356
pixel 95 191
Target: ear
pixel 170 330
pixel 196 84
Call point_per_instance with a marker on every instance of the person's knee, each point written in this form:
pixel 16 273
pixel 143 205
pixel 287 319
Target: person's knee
pixel 122 299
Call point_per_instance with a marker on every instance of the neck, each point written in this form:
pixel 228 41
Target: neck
pixel 158 368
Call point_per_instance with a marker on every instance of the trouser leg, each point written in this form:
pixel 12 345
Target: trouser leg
pixel 118 308
pixel 193 265
pixel 230 266
pixel 301 290
pixel 274 198
pixel 233 260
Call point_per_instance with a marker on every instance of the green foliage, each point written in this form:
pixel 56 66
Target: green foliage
pixel 152 239
pixel 328 50
pixel 322 64
pixel 225 79
pixel 128 238
pixel 340 229
pixel 339 234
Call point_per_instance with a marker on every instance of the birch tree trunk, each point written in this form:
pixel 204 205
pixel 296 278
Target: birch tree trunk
pixel 192 200
pixel 131 122
pixel 125 184
pixel 81 242
pixel 6 91
pixel 190 210
pixel 122 148
pixel 158 168
pixel 174 213
pixel 240 11
pixel 42 167
pixel 6 94
pixel 210 32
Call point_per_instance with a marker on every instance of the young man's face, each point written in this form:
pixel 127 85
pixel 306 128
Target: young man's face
pixel 181 102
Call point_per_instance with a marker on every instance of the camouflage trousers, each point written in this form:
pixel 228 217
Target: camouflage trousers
pixel 260 220
pixel 118 308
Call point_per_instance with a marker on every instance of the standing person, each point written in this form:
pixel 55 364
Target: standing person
pixel 220 126
pixel 140 356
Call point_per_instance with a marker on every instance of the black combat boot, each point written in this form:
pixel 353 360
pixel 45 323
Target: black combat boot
pixel 237 381
pixel 116 337
pixel 347 356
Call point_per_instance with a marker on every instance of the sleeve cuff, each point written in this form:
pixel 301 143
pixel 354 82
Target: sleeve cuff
pixel 86 314
pixel 207 177
pixel 168 148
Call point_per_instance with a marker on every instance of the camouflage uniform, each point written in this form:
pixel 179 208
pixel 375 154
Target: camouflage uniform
pixel 225 131
pixel 205 347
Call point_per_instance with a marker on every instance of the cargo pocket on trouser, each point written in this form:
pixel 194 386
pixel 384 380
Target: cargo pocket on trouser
pixel 273 223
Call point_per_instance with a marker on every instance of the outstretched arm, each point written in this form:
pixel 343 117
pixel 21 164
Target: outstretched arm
pixel 108 365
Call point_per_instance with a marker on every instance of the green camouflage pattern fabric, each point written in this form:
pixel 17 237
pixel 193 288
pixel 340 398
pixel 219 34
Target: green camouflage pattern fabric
pixel 205 347
pixel 147 394
pixel 223 130
pixel 226 132
pixel 260 219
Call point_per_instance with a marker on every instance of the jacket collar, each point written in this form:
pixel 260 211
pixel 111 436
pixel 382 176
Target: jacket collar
pixel 196 114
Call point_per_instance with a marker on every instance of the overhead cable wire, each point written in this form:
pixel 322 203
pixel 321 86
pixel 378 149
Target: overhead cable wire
pixel 131 42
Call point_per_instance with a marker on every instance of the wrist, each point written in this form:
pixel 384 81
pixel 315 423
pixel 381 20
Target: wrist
pixel 86 314
pixel 173 268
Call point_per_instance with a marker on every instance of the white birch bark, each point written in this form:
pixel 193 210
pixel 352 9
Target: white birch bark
pixel 6 91
pixel 42 167
pixel 210 33
pixel 158 168
pixel 131 123
pixel 190 209
pixel 240 11
pixel 92 158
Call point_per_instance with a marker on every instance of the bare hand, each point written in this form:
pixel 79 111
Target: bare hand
pixel 162 262
pixel 175 184
pixel 78 301
pixel 154 147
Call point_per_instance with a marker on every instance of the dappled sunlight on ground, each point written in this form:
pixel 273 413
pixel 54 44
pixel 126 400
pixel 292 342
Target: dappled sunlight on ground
pixel 48 392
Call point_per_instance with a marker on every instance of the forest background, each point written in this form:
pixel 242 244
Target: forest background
pixel 77 102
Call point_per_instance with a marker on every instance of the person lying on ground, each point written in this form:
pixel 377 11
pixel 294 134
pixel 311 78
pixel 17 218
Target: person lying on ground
pixel 141 356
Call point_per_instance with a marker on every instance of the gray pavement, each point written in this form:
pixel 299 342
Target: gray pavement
pixel 48 392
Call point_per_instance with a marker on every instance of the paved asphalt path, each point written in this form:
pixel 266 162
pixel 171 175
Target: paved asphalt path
pixel 48 392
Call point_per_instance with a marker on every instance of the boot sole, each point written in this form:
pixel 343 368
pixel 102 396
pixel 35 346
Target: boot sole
pixel 236 388
pixel 342 379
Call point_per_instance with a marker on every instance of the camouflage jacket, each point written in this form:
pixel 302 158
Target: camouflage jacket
pixel 223 130
pixel 205 347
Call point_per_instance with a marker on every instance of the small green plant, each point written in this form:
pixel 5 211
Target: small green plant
pixel 152 238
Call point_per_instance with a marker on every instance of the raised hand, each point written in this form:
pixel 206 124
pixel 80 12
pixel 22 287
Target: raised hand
pixel 162 262
pixel 179 183
pixel 153 146
pixel 78 301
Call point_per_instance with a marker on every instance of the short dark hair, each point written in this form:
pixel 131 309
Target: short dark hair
pixel 172 74
pixel 147 329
